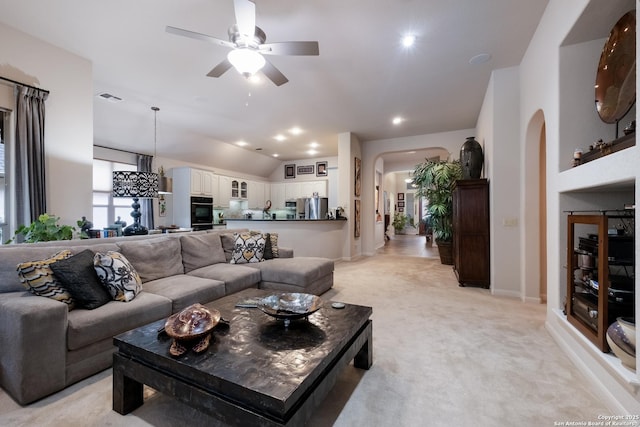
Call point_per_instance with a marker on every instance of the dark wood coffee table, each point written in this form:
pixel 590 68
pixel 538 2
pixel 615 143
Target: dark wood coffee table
pixel 256 371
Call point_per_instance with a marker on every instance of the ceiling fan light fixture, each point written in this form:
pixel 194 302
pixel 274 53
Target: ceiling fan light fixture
pixel 246 61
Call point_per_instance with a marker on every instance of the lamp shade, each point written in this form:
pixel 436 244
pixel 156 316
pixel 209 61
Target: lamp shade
pixel 135 184
pixel 246 61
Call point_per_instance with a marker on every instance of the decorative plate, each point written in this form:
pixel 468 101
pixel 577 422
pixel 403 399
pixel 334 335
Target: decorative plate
pixel 290 305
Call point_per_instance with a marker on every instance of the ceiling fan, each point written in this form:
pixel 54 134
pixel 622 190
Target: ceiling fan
pixel 248 44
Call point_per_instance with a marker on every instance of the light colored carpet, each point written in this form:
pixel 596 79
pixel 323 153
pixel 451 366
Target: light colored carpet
pixel 443 356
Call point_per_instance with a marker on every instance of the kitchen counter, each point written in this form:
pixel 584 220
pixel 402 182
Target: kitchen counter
pixel 285 220
pixel 307 237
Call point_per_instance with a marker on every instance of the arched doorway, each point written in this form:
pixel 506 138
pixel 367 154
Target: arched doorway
pixel 534 280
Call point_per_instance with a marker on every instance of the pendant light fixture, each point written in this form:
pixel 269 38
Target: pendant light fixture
pixel 165 184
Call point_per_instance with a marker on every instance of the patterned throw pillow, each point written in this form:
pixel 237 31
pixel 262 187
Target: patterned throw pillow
pixel 78 276
pixel 118 275
pixel 248 248
pixel 271 247
pixel 39 279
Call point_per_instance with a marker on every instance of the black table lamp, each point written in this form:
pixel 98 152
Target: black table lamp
pixel 136 185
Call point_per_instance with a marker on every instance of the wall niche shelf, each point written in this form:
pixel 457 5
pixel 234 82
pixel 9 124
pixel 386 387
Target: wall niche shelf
pixel 600 271
pixel 607 148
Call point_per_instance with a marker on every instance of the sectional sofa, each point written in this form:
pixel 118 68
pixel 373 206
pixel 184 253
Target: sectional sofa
pixel 47 344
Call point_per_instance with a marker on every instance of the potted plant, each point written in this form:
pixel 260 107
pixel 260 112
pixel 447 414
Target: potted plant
pixel 435 181
pixel 399 222
pixel 44 229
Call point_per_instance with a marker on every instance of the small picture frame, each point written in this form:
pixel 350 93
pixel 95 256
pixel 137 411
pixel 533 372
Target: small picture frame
pixel 321 168
pixel 357 172
pixel 401 204
pixel 306 170
pixel 400 209
pixel 400 196
pixel 289 171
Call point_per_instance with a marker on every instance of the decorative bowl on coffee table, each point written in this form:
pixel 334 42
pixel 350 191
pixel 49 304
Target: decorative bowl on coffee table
pixel 290 305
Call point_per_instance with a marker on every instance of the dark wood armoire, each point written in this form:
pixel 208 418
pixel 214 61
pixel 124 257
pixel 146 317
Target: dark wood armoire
pixel 471 232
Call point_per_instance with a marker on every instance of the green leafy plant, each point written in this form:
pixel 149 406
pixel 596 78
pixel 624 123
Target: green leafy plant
pixel 44 229
pixel 399 221
pixel 435 181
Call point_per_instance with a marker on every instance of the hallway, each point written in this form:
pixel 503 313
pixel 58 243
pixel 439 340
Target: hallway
pixel 409 245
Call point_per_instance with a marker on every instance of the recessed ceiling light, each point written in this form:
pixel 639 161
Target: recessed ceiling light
pixel 314 144
pixel 280 137
pixel 408 40
pixel 312 152
pixel 295 130
pixel 397 120
pixel 276 155
pixel 242 143
pixel 411 152
pixel 480 59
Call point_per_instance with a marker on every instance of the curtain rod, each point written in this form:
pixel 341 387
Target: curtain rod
pixel 118 149
pixel 23 84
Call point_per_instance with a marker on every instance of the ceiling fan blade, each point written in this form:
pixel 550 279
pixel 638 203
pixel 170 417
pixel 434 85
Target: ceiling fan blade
pixel 274 74
pixel 199 36
pixel 290 48
pixel 220 69
pixel 245 17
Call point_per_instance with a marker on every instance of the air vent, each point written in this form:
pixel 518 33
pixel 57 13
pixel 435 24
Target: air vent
pixel 109 97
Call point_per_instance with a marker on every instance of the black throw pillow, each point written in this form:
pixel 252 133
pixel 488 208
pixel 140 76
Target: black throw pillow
pixel 79 277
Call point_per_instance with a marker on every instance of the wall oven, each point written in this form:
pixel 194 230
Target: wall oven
pixel 202 213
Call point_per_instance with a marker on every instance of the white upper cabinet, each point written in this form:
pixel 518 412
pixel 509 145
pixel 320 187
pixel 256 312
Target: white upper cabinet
pixel 204 183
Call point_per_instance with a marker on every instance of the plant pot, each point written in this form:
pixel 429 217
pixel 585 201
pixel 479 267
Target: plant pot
pixel 445 249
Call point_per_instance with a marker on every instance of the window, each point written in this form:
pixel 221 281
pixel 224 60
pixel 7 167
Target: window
pixel 106 208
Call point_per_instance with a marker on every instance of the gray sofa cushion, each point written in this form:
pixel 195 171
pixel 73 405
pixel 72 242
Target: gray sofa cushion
pixel 184 290
pixel 200 250
pixel 154 258
pixel 235 277
pixel 89 326
pixel 301 271
pixel 12 255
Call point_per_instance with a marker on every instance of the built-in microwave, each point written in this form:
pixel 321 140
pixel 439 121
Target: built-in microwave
pixel 201 213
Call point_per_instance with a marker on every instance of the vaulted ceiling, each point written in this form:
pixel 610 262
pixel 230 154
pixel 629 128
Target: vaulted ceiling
pixel 361 80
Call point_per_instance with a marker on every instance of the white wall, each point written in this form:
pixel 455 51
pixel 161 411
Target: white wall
pixel 69 117
pixel 498 133
pixel 546 88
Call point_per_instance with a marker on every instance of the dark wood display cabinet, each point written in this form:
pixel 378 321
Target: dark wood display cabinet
pixel 600 271
pixel 471 232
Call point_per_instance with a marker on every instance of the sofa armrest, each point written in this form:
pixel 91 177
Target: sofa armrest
pixel 33 342
pixel 285 252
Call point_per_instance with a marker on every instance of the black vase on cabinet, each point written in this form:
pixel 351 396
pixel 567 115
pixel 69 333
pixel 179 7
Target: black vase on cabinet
pixel 471 158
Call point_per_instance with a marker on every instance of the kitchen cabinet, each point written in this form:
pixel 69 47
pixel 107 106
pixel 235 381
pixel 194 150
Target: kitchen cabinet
pixel 471 232
pixel 256 195
pixel 225 191
pixel 201 183
pixel 600 271
pixel 278 195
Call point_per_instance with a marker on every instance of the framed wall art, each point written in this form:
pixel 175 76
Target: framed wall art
pixel 289 171
pixel 357 166
pixel 321 168
pixel 356 227
pixel 400 196
pixel 401 204
pixel 305 170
